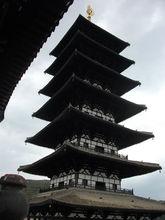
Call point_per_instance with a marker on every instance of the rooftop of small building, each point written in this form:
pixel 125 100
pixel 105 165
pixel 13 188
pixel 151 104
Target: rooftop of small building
pixel 98 199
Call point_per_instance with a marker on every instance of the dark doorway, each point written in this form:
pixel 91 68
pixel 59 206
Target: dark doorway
pixel 84 182
pixel 114 186
pixel 61 185
pixel 100 185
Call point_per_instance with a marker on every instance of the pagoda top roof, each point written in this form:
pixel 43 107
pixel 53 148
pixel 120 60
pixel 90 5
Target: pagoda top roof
pixel 66 156
pixel 25 26
pixel 95 199
pixel 93 31
pixel 72 121
pixel 81 42
pixel 86 68
pixel 79 92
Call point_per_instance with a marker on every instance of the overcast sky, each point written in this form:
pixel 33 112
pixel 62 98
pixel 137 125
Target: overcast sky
pixel 142 24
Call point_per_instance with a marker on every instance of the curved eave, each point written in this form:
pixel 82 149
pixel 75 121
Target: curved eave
pixel 84 44
pixel 66 156
pixel 22 37
pixel 94 200
pixel 94 32
pixel 76 91
pixel 72 121
pixel 86 68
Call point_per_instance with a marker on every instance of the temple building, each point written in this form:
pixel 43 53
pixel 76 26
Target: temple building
pixel 84 110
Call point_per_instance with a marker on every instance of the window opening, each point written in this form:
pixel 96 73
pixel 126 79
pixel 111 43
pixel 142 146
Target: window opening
pixel 99 149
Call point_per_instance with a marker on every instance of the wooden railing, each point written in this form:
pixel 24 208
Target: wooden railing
pixel 105 153
pixel 66 186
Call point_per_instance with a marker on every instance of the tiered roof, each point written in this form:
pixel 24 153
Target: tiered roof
pixel 86 68
pixel 69 157
pixel 75 122
pixel 93 31
pixel 84 44
pixel 106 101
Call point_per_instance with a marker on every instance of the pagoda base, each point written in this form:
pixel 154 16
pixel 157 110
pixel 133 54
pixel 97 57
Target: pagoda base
pixel 91 204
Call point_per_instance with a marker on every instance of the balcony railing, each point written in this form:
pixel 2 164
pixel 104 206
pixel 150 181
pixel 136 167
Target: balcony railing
pixel 66 186
pixel 88 149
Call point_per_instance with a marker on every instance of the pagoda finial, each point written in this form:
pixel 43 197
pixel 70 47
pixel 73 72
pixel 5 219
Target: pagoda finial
pixel 90 12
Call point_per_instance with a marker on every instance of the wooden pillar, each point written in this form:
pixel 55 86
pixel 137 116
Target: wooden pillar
pixel 125 216
pixel 138 216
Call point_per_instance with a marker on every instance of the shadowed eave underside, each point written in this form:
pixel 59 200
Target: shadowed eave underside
pixel 94 50
pixel 86 68
pixel 78 92
pixel 25 26
pixel 77 122
pixel 74 157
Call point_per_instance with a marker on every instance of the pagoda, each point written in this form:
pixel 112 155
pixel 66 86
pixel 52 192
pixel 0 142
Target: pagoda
pixel 84 111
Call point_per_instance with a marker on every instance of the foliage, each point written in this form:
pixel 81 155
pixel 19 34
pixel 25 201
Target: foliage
pixel 34 186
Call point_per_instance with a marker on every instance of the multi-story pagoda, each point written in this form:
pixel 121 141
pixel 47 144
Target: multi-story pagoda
pixel 84 110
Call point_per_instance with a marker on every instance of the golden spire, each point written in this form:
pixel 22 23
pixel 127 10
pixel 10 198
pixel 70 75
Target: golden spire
pixel 90 12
